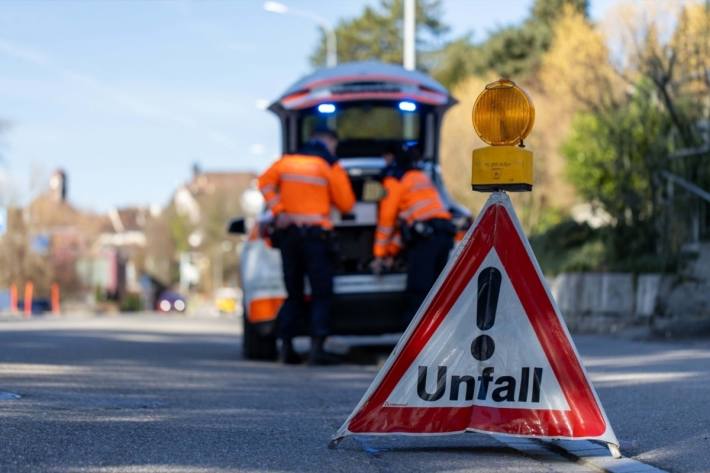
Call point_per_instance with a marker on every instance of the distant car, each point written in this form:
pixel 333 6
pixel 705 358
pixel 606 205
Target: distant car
pixel 39 306
pixel 227 300
pixel 170 301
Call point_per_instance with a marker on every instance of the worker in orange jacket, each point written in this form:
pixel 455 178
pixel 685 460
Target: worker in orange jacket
pixel 412 211
pixel 300 189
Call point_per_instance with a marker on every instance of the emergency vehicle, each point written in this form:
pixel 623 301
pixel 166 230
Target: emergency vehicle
pixel 372 106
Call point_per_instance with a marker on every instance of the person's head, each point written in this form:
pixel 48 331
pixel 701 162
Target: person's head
pixel 390 153
pixel 327 136
pixel 408 155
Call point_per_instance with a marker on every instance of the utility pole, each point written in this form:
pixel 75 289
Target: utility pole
pixel 410 35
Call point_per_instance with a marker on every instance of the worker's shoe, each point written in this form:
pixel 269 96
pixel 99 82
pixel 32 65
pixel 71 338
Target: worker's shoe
pixel 319 356
pixel 289 356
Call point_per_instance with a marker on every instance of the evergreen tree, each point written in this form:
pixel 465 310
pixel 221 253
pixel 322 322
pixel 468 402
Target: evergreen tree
pixel 378 32
pixel 511 51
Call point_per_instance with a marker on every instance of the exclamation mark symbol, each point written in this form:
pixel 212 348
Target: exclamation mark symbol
pixel 489 279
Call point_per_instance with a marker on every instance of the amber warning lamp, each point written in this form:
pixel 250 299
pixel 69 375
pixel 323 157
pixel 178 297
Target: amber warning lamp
pixel 503 116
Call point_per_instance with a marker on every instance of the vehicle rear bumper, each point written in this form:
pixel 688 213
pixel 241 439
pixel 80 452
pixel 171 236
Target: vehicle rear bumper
pixel 366 304
pixel 362 305
pixel 368 314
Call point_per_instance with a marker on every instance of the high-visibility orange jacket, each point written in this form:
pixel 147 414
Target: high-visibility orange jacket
pixel 299 189
pixel 410 199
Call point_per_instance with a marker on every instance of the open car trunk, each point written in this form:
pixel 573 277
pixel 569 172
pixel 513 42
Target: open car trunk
pixel 364 303
pixel 355 233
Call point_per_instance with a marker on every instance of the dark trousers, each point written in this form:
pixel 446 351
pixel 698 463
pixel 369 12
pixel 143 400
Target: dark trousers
pixel 426 257
pixel 306 252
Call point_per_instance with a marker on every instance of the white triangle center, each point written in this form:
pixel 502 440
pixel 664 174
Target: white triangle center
pixel 516 375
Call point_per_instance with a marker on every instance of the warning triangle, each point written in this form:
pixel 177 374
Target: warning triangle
pixel 488 351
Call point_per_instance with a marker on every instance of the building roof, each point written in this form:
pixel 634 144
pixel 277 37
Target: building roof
pixel 209 182
pixel 128 219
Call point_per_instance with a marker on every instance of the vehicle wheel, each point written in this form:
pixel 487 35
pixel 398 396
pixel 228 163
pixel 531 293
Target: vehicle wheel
pixel 256 346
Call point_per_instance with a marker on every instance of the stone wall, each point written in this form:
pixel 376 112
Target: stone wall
pixel 666 304
pixel 608 302
pixel 684 306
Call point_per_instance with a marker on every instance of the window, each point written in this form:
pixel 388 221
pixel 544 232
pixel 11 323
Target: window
pixel 364 129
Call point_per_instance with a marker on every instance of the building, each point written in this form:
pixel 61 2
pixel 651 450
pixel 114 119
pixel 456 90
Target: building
pixel 204 205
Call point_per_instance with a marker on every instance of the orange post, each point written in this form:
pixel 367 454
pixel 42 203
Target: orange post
pixel 13 299
pixel 29 290
pixel 55 299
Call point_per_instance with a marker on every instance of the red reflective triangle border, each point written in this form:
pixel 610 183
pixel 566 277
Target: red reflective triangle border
pixel 583 419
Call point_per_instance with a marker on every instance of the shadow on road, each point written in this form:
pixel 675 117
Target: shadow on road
pixel 135 398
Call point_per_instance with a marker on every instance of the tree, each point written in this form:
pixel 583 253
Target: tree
pixel 19 264
pixel 4 180
pixel 455 62
pixel 511 51
pixel 547 12
pixel 517 50
pixel 691 42
pixel 655 44
pixel 457 141
pixel 577 67
pixel 641 90
pixel 377 33
pixel 614 157
pixel 668 45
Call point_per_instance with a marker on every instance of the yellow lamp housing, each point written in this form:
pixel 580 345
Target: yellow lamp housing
pixel 497 168
pixel 503 116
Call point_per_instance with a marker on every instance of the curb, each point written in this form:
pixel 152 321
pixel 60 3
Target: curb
pixel 583 452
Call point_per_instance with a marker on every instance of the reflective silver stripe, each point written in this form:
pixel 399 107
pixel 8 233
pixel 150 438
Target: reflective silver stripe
pixel 317 181
pixel 397 240
pixel 420 186
pixel 382 241
pixel 303 218
pixel 419 205
pixel 367 284
pixel 273 201
pixel 385 230
pixel 268 188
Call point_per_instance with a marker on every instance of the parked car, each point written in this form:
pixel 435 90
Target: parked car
pixel 39 306
pixel 372 106
pixel 228 300
pixel 170 301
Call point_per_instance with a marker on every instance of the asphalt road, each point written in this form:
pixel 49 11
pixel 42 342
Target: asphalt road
pixel 172 394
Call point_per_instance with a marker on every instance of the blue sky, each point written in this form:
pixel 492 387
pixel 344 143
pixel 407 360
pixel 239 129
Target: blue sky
pixel 126 95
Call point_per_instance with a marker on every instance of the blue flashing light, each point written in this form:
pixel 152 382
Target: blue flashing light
pixel 326 108
pixel 407 106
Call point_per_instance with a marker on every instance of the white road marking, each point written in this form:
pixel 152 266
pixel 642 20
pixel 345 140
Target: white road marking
pixel 585 453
